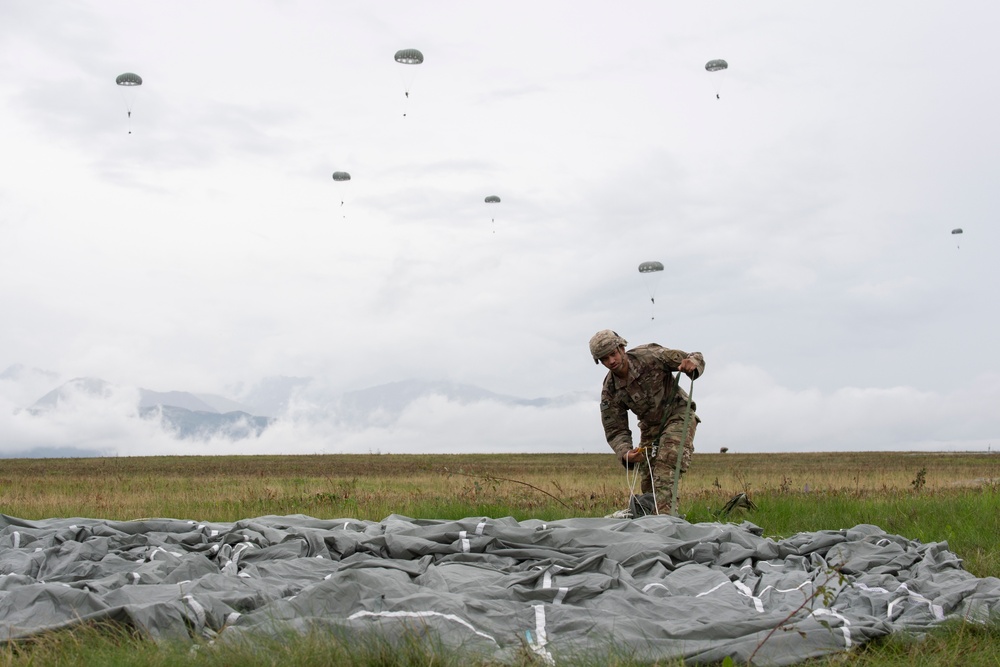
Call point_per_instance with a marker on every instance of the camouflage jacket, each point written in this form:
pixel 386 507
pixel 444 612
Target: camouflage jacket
pixel 646 391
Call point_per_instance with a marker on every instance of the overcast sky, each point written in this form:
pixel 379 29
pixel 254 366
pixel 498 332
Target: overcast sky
pixel 803 216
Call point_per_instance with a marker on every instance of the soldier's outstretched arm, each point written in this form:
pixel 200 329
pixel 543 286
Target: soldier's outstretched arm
pixel 679 360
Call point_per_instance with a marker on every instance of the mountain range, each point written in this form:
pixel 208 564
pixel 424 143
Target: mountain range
pixel 250 411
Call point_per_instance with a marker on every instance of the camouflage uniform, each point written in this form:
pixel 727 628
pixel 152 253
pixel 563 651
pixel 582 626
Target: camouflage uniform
pixel 648 391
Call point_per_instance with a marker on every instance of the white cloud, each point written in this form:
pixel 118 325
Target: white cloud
pixel 804 218
pixel 747 410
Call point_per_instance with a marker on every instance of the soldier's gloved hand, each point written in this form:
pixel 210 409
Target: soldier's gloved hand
pixel 689 368
pixel 633 455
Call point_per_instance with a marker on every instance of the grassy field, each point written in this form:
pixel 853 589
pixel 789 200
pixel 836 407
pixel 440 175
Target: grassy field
pixel 927 496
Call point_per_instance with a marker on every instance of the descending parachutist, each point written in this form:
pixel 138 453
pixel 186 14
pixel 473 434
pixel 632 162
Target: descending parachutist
pixel 407 94
pixel 717 96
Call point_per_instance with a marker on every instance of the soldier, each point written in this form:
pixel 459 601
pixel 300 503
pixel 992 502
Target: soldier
pixel 641 380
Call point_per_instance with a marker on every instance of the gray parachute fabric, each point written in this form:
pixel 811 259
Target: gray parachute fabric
pixel 656 588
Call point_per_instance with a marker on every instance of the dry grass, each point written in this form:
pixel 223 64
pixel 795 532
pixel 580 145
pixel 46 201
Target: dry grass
pixel 370 487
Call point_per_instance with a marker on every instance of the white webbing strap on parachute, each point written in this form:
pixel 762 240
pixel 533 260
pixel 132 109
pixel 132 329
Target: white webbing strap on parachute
pixel 231 565
pixel 420 614
pixel 200 616
pixel 845 628
pixel 537 645
pixel 547 583
pixel 743 589
pixel 936 609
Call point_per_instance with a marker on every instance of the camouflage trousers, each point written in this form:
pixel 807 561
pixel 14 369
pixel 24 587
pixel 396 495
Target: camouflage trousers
pixel 660 481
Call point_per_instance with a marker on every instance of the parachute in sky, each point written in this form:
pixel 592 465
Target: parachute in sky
pixel 493 199
pixel 717 69
pixel 651 273
pixel 407 58
pixel 340 177
pixel 128 83
pixel 957 230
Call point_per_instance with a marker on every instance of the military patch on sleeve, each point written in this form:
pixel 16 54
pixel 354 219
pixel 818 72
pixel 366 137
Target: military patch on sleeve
pixel 605 405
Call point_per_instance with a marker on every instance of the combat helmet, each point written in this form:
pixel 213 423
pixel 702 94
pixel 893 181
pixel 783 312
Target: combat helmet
pixel 605 342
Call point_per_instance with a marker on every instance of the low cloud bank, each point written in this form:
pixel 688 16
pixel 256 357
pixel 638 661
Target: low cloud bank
pixel 742 408
pixel 745 409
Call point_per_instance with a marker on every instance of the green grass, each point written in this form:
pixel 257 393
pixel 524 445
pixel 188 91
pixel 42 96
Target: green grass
pixel 953 643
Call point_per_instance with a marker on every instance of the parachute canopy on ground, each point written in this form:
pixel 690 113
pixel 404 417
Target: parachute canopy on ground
pixel 611 569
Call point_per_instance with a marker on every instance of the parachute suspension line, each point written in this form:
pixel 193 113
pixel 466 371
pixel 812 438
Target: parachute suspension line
pixel 717 70
pixel 651 273
pixel 408 58
pixel 652 483
pixel 127 82
pixel 493 199
pixel 632 478
pixel 128 109
pixel 680 447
